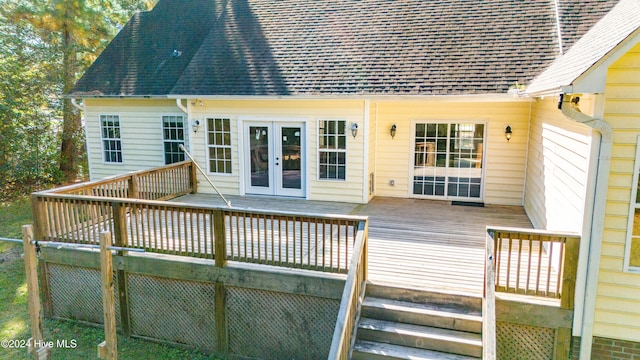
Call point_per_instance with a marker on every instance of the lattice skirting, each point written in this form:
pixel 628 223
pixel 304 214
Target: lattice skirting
pixel 76 293
pixel 178 311
pixel 523 342
pixel 271 325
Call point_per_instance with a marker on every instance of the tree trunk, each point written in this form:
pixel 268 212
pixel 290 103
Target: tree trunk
pixel 71 118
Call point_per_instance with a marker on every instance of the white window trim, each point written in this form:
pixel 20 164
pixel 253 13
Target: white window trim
pixel 346 146
pixel 187 133
pixel 632 207
pixel 234 167
pixel 102 139
pixel 484 159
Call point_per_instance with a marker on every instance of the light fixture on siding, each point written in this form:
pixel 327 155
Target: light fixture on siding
pixel 195 125
pixel 508 132
pixel 392 131
pixel 354 129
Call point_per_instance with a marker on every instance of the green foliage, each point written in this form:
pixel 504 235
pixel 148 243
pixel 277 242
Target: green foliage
pixel 44 47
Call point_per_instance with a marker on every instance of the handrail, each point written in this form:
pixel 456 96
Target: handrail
pixel 111 179
pixel 199 206
pixel 489 344
pixel 205 176
pixel 352 297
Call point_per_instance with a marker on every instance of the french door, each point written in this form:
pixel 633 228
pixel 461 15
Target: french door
pixel 448 160
pixel 274 158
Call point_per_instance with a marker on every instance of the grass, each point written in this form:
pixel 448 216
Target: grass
pixel 14 312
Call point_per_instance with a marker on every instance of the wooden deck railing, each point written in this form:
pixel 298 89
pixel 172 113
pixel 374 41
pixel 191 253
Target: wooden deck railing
pixel 535 262
pixel 162 183
pixel 352 297
pixel 308 241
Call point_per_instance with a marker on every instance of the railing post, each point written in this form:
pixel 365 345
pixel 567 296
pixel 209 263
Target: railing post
pixel 108 349
pixel 569 273
pixel 220 238
pixel 133 187
pixel 40 229
pixel 121 239
pixel 35 344
pixel 193 178
pixel 489 342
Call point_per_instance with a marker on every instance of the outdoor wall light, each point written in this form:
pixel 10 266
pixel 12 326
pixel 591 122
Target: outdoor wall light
pixel 195 125
pixel 354 129
pixel 392 131
pixel 508 132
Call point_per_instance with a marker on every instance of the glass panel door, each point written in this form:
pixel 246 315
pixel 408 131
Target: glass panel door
pixel 448 160
pixel 260 178
pixel 289 160
pixel 275 158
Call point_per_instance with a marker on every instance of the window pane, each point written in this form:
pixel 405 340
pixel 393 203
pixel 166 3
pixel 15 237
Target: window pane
pixel 219 143
pixel 634 258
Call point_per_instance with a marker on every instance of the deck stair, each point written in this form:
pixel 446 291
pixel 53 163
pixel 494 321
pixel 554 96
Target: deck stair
pixel 397 323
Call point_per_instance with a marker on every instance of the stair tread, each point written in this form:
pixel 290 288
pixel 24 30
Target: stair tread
pixel 454 336
pixel 404 352
pixel 424 309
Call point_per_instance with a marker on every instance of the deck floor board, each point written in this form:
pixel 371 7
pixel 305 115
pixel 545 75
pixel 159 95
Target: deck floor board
pixel 413 243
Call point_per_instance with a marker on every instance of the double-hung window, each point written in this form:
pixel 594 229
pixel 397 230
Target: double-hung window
pixel 332 150
pixel 173 136
pixel 111 140
pixel 219 145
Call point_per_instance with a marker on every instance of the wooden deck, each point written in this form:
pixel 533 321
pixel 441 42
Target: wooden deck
pixel 414 243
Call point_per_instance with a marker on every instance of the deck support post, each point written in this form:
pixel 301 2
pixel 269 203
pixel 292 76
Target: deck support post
pixel 562 346
pixel 221 319
pixel 108 349
pixel 36 342
pixel 121 240
pixel 40 228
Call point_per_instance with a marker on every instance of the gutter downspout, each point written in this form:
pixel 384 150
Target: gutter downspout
pixel 597 220
pixel 181 107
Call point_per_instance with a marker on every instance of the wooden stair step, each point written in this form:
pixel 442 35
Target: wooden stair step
pixel 434 315
pixel 423 337
pixel 470 302
pixel 377 351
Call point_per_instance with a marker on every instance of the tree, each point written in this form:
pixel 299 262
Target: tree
pixel 27 139
pixel 77 30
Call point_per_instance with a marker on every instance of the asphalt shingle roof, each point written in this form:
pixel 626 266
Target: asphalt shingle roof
pixel 604 36
pixel 303 47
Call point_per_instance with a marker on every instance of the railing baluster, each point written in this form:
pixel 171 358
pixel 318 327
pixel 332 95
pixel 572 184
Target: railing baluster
pixel 560 266
pixel 539 266
pixel 527 290
pixel 508 277
pixel 519 263
pixel 549 265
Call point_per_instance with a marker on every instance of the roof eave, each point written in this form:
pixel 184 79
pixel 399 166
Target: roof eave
pixel 594 79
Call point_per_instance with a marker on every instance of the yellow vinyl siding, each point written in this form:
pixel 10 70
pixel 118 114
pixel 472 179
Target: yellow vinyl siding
pixel 503 161
pixel 618 296
pixel 140 129
pixel 308 111
pixel 557 169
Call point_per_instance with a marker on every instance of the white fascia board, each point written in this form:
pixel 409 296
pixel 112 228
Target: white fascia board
pixel 594 80
pixel 434 98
